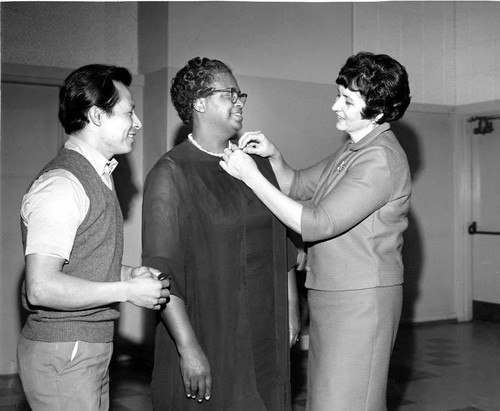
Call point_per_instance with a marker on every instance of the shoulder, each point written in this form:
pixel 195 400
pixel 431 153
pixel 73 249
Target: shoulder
pixel 56 192
pixel 56 181
pixel 167 174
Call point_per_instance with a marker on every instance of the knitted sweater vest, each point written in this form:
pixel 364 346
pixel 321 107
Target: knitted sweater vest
pixel 96 256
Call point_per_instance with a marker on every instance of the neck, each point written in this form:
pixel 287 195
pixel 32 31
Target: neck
pixel 211 142
pixel 91 141
pixel 358 136
pixel 201 148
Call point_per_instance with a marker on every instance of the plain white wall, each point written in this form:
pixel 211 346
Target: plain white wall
pixel 70 34
pixel 449 48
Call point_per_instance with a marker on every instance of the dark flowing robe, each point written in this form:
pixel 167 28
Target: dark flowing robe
pixel 228 257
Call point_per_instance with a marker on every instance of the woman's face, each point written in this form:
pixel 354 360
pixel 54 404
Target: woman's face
pixel 221 112
pixel 348 107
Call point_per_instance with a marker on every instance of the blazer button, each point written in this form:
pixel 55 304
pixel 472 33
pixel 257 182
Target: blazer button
pixel 308 268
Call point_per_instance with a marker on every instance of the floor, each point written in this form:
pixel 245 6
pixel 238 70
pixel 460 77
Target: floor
pixel 435 367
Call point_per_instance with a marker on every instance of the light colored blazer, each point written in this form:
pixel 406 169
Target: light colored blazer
pixel 354 221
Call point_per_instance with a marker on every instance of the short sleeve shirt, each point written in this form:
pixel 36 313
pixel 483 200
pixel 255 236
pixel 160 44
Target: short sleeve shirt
pixel 56 204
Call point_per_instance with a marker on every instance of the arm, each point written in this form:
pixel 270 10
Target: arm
pixel 194 365
pixel 241 166
pixel 257 143
pixel 364 188
pixel 52 210
pixel 162 216
pixel 293 308
pixel 48 286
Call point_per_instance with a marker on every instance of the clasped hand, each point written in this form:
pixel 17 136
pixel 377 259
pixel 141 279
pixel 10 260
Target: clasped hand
pixel 237 163
pixel 147 289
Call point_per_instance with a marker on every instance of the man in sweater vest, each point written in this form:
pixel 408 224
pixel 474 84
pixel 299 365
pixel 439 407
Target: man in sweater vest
pixel 72 230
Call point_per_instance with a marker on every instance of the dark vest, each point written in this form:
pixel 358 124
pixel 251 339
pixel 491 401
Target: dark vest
pixel 96 256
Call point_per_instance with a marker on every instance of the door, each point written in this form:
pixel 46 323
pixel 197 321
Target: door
pixel 485 144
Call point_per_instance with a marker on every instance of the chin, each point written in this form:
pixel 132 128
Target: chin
pixel 126 150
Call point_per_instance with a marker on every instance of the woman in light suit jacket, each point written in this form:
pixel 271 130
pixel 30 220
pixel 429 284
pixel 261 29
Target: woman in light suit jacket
pixel 351 210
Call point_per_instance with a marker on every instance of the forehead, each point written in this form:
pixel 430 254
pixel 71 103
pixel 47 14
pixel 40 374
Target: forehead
pixel 350 94
pixel 125 100
pixel 225 80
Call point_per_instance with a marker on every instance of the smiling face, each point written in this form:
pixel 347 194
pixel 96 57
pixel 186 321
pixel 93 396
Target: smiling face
pixel 118 128
pixel 348 106
pixel 220 111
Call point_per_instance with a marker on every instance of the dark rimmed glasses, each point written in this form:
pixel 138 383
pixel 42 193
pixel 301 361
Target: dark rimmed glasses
pixel 235 94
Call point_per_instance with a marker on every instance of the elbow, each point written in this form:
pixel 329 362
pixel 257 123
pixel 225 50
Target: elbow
pixel 36 295
pixel 320 232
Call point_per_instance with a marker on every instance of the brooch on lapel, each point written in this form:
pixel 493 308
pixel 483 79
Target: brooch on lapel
pixel 341 167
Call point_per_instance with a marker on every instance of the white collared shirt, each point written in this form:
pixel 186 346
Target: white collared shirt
pixel 56 204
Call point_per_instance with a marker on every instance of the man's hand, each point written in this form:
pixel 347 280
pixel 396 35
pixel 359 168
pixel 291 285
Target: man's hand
pixel 146 290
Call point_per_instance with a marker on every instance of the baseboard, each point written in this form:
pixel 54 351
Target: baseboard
pixel 485 311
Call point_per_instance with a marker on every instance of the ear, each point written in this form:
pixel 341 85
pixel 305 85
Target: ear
pixel 94 115
pixel 199 105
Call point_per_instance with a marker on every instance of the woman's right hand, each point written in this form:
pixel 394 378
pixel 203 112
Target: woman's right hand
pixel 254 142
pixel 195 372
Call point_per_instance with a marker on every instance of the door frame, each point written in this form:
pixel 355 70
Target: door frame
pixel 463 196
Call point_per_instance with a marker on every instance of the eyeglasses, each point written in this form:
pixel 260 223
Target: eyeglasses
pixel 235 94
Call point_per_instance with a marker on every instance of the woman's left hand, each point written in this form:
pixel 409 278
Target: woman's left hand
pixel 237 163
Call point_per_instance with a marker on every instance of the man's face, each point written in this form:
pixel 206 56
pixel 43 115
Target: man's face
pixel 118 129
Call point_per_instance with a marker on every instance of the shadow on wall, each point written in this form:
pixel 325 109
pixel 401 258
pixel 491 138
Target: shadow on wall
pixel 126 190
pixel 412 248
pixel 399 376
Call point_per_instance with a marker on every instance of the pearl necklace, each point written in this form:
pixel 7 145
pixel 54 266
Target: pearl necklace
pixel 195 143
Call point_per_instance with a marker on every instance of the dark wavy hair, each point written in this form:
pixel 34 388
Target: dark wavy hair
pixel 381 81
pixel 193 81
pixel 88 86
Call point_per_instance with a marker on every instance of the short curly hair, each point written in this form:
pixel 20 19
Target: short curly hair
pixel 193 81
pixel 381 81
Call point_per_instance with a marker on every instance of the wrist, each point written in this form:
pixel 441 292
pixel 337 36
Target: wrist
pixel 187 347
pixel 123 292
pixel 126 273
pixel 276 157
pixel 252 180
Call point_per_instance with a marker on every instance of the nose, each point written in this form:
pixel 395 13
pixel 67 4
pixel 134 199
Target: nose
pixel 336 105
pixel 136 123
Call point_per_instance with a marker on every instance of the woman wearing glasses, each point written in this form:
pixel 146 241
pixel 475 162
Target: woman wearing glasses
pixel 223 342
pixel 353 225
